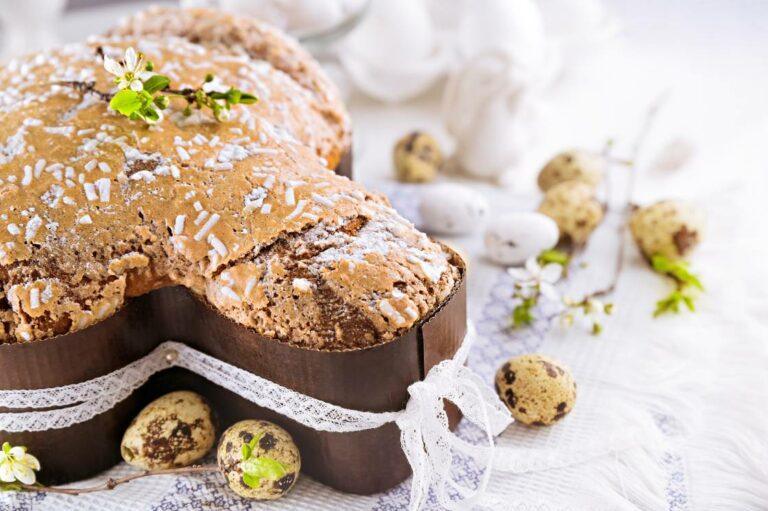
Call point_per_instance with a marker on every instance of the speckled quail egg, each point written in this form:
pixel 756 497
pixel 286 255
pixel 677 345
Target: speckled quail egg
pixel 573 165
pixel 417 158
pixel 574 209
pixel 174 430
pixel 449 208
pixel 537 390
pixel 668 228
pixel 514 237
pixel 259 459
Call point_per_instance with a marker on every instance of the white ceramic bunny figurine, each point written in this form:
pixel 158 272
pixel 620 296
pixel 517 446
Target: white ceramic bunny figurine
pixel 491 108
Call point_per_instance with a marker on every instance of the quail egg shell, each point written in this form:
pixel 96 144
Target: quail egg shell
pixel 174 430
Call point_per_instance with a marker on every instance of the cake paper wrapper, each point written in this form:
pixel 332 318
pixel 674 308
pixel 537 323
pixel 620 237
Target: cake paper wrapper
pixel 372 379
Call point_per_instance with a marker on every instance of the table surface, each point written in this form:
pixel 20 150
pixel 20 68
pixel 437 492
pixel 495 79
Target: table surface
pixel 710 57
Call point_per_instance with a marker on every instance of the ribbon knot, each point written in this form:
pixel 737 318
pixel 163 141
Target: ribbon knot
pixel 428 442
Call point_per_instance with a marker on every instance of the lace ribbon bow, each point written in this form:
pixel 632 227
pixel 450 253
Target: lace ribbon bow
pixel 429 444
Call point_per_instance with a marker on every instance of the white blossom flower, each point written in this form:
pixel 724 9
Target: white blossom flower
pixel 17 465
pixel 215 85
pixel 588 313
pixel 534 276
pixel 129 72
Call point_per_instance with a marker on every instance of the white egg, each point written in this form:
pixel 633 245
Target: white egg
pixel 452 209
pixel 514 237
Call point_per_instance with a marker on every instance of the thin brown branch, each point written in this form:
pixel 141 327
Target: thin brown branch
pixel 86 88
pixel 111 484
pixel 626 210
pixel 90 88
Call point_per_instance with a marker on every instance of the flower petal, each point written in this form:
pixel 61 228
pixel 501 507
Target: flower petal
pixel 549 291
pixel 31 461
pixel 131 59
pixel 532 266
pixel 551 273
pixel 215 85
pixel 137 85
pixel 145 75
pixel 17 453
pixel 23 473
pixel 113 66
pixel 518 274
pixel 596 306
pixel 6 472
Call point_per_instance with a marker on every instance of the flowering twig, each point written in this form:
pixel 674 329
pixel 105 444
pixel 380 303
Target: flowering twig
pixel 16 465
pixel 531 283
pixel 111 484
pixel 143 95
pixel 537 280
pixel 589 308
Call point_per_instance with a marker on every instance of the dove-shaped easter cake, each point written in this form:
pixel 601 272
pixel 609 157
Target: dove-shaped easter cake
pixel 204 208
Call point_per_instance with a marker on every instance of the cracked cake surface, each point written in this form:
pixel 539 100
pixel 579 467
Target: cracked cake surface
pixel 258 40
pixel 96 208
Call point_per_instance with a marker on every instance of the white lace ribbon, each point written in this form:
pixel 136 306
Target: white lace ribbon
pixel 426 439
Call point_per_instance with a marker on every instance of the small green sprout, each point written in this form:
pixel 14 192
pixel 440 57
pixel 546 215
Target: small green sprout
pixel 257 468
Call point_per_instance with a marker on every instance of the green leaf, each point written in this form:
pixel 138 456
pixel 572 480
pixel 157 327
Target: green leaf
pixel 156 83
pixel 672 303
pixel 246 451
pixel 6 447
pixel 233 96
pixel 677 269
pixel 260 468
pixel 161 102
pixel 252 481
pixel 149 114
pixel 247 99
pixel 553 256
pixel 126 102
pixel 522 315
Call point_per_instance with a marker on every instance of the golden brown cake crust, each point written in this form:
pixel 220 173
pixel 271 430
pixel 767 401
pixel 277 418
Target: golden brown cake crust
pixel 95 208
pixel 260 41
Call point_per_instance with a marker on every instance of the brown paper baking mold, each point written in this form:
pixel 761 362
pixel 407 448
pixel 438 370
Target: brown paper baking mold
pixel 372 379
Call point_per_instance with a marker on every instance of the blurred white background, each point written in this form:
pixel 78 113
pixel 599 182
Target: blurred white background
pixel 605 63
